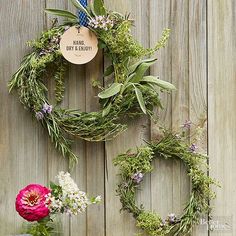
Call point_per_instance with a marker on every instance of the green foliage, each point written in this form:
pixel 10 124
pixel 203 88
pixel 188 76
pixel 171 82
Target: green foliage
pixel 109 70
pixel 130 94
pixel 130 163
pixel 120 42
pixel 111 91
pixel 43 227
pixel 59 80
pixel 160 83
pixel 168 147
pixel 151 223
pixel 48 40
pixel 137 84
pixel 120 45
pixel 132 68
pixel 99 8
pixel 141 69
pixel 62 13
pixel 141 102
pixel 56 189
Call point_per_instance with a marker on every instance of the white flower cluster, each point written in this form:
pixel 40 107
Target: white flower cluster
pixel 101 22
pixel 71 200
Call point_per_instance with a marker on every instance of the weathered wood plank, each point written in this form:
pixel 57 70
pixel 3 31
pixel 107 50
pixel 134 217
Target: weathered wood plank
pixel 137 131
pixel 162 197
pixel 77 85
pixel 56 162
pixel 23 149
pixel 95 153
pixel 198 79
pixel 180 99
pixel 222 104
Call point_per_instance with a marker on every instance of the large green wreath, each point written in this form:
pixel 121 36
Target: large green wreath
pixel 128 94
pixel 133 167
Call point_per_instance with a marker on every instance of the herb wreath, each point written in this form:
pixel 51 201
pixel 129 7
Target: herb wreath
pixel 130 93
pixel 133 167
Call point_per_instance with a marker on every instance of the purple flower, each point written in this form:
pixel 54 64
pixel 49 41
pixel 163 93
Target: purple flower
pixel 187 124
pixel 171 218
pixel 101 22
pixel 138 177
pixel 193 148
pixel 39 115
pixel 47 108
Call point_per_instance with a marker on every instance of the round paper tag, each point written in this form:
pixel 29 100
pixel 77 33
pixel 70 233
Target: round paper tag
pixel 79 45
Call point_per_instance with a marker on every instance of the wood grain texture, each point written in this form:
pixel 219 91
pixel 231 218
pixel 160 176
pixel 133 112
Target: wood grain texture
pixel 221 107
pixel 198 79
pixel 95 153
pixel 77 98
pixel 180 104
pixel 23 148
pixel 56 162
pixel 162 174
pixel 199 59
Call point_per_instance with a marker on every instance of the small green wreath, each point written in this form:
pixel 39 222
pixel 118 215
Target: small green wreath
pixel 133 167
pixel 129 93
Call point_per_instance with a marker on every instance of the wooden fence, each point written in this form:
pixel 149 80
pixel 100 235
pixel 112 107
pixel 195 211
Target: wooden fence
pixel 200 60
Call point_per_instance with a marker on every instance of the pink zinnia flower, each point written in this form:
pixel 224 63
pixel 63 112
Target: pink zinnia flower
pixel 31 202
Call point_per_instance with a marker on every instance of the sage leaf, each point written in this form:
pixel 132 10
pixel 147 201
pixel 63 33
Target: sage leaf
pixel 130 77
pixel 149 86
pixel 99 8
pixel 141 70
pixel 101 45
pixel 111 91
pixel 62 13
pixel 161 83
pixel 127 83
pixel 133 67
pixel 109 70
pixel 90 9
pixel 141 102
pixel 106 110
